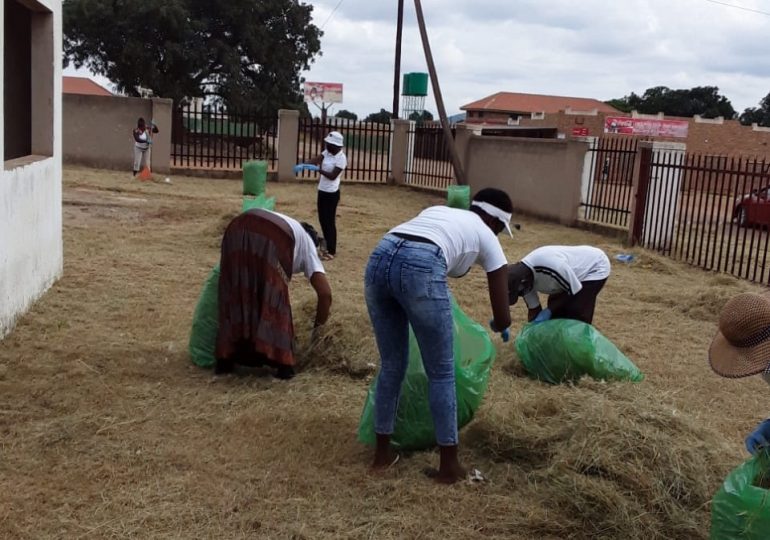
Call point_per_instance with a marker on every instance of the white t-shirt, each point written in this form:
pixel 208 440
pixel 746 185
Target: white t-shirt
pixel 306 258
pixel 559 269
pixel 462 236
pixel 328 164
pixel 145 141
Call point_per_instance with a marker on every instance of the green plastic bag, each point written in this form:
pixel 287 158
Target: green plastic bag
pixel 459 197
pixel 740 509
pixel 562 350
pixel 260 201
pixel 474 354
pixel 203 336
pixel 254 177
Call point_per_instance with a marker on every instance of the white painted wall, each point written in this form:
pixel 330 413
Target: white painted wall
pixel 31 253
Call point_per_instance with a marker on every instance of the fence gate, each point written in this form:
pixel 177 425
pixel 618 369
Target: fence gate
pixel 709 211
pixel 429 164
pixel 205 138
pixel 367 147
pixel 607 190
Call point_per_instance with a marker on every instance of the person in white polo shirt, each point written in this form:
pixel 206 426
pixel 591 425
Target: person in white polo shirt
pixel 571 276
pixel 406 284
pixel 331 162
pixel 261 250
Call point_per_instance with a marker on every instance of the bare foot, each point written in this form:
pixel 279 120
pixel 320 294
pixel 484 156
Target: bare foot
pixel 451 475
pixel 384 461
pixel 384 455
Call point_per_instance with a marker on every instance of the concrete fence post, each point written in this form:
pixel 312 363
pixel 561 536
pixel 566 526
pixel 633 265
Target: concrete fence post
pixel 399 149
pixel 288 131
pixel 162 116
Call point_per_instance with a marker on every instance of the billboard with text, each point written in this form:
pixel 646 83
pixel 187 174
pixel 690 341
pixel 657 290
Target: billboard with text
pixel 321 92
pixel 650 127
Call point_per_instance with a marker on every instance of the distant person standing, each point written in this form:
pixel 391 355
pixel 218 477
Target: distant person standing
pixel 332 162
pixel 142 142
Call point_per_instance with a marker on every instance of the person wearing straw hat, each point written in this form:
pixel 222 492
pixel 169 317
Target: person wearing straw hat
pixel 406 284
pixel 571 276
pixel 741 348
pixel 331 163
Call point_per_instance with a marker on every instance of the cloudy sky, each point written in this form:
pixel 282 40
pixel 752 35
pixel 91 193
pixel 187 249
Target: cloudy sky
pixel 589 48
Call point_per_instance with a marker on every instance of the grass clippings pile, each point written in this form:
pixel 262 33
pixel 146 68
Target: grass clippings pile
pixel 610 460
pixel 109 431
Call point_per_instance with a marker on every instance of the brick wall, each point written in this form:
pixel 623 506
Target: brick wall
pixel 703 137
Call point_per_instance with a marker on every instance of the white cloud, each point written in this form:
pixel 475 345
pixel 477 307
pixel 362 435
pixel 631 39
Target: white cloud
pixel 589 48
pixel 593 48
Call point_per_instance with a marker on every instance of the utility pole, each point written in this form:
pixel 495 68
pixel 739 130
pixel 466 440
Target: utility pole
pixel 448 139
pixel 397 67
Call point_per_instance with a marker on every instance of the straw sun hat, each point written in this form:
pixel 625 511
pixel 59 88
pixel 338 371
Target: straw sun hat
pixel 742 345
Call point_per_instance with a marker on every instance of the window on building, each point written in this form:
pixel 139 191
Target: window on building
pixel 28 80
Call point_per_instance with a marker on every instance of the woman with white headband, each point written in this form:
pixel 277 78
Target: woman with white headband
pixel 406 283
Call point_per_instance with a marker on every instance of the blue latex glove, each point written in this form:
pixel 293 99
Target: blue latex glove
pixel 759 438
pixel 298 168
pixel 543 316
pixel 505 335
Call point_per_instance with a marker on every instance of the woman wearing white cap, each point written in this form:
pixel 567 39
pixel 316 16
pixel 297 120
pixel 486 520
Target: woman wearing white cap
pixel 741 348
pixel 406 284
pixel 332 162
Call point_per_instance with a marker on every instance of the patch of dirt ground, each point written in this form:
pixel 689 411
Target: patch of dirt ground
pixel 108 431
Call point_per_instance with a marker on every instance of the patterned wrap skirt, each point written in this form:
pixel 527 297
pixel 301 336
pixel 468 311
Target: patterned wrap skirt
pixel 255 319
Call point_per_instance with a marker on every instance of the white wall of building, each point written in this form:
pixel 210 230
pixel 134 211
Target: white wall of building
pixel 31 252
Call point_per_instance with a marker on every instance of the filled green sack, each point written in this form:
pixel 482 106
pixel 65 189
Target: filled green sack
pixel 260 201
pixel 741 507
pixel 474 354
pixel 459 197
pixel 254 177
pixel 203 336
pixel 562 350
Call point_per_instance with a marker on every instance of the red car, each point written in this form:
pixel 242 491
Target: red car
pixel 753 209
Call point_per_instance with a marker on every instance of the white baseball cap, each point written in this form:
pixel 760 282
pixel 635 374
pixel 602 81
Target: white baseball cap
pixel 335 138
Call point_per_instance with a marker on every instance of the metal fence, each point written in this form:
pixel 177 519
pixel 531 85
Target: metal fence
pixel 608 181
pixel 367 147
pixel 428 164
pixel 205 138
pixel 709 211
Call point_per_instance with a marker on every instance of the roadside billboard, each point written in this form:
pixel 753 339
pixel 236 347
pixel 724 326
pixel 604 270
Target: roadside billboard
pixel 646 126
pixel 321 92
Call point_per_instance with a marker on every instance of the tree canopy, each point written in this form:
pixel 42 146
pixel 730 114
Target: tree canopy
pixel 382 117
pixel 241 53
pixel 703 100
pixel 424 116
pixel 759 115
pixel 344 113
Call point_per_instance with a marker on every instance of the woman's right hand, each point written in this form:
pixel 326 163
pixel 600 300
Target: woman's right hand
pixel 497 281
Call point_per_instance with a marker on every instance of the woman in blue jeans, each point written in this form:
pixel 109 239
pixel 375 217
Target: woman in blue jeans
pixel 406 283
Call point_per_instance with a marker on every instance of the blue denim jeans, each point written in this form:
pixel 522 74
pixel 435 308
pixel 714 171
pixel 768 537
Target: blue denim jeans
pixel 406 283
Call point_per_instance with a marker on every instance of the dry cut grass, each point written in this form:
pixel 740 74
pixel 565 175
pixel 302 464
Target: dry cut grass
pixel 108 431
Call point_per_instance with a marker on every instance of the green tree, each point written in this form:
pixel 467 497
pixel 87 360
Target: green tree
pixel 344 113
pixel 243 54
pixel 382 117
pixel 424 116
pixel 703 100
pixel 759 115
pixel 620 104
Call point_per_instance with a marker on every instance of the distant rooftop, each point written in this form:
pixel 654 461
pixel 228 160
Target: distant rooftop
pixel 83 85
pixel 513 102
